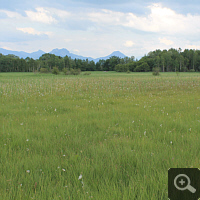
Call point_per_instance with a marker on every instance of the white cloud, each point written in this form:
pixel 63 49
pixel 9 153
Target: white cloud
pixel 42 15
pixel 62 14
pixel 106 16
pixel 129 43
pixel 166 41
pixel 160 20
pixel 193 47
pixel 11 14
pixel 75 51
pixel 7 48
pixel 32 31
pixel 67 40
pixel 47 15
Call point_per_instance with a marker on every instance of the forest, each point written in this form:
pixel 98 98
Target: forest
pixel 171 60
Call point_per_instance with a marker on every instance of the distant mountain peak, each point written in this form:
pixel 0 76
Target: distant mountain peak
pixel 118 53
pixel 115 53
pixel 58 52
pixel 39 50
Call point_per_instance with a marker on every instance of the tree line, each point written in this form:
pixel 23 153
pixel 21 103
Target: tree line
pixel 167 60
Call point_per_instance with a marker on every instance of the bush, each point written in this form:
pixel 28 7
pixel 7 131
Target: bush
pixel 156 71
pixel 43 70
pixel 87 73
pixel 75 71
pixel 184 69
pixel 142 67
pixel 128 72
pixel 192 70
pixel 71 71
pixel 55 71
pixel 78 71
pixel 122 68
pixel 66 71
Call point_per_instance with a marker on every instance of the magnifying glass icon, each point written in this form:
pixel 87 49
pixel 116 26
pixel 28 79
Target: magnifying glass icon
pixel 186 186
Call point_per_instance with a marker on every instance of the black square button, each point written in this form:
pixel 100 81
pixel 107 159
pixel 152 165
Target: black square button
pixel 184 183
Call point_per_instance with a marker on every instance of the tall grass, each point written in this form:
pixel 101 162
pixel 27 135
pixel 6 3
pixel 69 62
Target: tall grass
pixel 121 132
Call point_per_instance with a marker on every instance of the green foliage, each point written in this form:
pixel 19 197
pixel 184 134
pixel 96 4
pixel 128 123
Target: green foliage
pixel 122 68
pixel 142 67
pixel 156 71
pixel 65 71
pixel 55 71
pixel 71 71
pixel 87 73
pixel 75 71
pixel 184 69
pixel 192 70
pixel 44 70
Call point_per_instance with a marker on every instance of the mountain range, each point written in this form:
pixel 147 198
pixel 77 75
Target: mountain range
pixel 58 52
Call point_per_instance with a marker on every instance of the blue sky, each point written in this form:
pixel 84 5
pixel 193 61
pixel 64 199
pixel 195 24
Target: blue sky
pixel 97 28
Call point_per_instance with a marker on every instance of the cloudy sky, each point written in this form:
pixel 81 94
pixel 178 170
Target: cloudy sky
pixel 96 28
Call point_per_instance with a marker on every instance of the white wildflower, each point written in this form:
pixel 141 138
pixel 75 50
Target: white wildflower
pixel 80 177
pixel 28 171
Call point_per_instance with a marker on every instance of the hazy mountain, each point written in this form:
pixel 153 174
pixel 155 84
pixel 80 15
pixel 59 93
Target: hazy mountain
pixel 115 53
pixel 63 52
pixel 22 54
pixel 58 52
pixel 37 54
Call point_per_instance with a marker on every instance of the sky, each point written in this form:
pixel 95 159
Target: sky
pixel 96 28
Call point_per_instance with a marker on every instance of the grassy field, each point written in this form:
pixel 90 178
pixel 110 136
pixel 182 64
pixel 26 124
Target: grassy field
pixel 104 136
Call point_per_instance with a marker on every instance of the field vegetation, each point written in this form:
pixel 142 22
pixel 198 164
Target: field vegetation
pixel 104 136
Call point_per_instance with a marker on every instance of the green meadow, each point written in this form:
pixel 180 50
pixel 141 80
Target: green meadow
pixel 106 136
